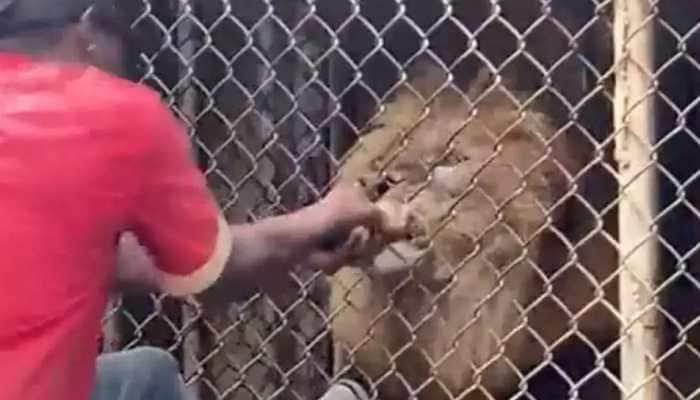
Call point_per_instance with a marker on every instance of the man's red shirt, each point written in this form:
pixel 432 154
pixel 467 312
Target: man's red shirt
pixel 83 157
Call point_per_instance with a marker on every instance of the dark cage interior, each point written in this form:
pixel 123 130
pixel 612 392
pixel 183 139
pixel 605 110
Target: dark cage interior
pixel 281 96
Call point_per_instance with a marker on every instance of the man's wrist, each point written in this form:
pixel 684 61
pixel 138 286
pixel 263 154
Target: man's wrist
pixel 316 222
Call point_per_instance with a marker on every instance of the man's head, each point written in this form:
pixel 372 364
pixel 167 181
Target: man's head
pixel 85 31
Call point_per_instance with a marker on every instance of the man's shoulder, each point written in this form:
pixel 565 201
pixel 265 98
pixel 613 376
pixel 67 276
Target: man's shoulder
pixel 80 88
pixel 98 87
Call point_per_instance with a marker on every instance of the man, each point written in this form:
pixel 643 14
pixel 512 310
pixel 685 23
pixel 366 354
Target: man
pixel 86 157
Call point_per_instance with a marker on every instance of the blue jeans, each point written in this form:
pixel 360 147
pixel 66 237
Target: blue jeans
pixel 145 373
pixel 148 373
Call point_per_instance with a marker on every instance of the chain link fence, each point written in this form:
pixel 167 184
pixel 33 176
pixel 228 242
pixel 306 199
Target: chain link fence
pixel 548 148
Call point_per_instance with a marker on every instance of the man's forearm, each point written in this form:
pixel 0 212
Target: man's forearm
pixel 262 253
pixel 265 251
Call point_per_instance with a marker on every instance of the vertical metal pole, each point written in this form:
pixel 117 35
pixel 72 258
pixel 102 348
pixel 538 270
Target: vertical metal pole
pixel 188 103
pixel 635 135
pixel 111 336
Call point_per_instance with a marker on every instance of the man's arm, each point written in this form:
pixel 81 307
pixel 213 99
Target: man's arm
pixel 190 246
pixel 263 252
pixel 260 252
pixel 173 214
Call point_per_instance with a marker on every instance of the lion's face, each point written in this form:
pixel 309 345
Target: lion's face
pixel 478 200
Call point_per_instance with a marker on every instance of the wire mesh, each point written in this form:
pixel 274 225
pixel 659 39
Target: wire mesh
pixel 493 120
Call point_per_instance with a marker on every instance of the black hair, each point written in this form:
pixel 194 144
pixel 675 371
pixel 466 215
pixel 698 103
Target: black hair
pixel 111 18
pixel 103 16
pixel 27 17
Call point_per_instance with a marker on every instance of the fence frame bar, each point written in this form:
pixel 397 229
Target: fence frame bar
pixel 188 102
pixel 634 114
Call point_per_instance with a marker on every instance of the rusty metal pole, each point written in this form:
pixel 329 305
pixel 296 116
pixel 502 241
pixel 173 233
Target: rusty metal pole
pixel 634 152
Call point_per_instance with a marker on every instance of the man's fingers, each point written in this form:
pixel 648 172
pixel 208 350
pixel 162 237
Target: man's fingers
pixel 388 218
pixel 353 247
pixel 357 242
pixel 397 220
pixel 372 218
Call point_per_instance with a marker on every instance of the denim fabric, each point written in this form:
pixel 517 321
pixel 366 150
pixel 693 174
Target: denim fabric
pixel 149 373
pixel 144 373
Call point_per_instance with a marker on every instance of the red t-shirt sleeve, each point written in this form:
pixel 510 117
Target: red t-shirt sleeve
pixel 176 215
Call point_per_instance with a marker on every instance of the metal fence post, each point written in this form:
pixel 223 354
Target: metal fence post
pixel 634 113
pixel 188 102
pixel 111 338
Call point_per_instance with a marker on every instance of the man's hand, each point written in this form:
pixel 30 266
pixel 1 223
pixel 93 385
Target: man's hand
pixel 135 268
pixel 347 207
pixel 350 224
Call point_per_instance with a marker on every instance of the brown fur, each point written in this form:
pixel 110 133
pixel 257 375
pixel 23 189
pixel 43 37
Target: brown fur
pixel 489 304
